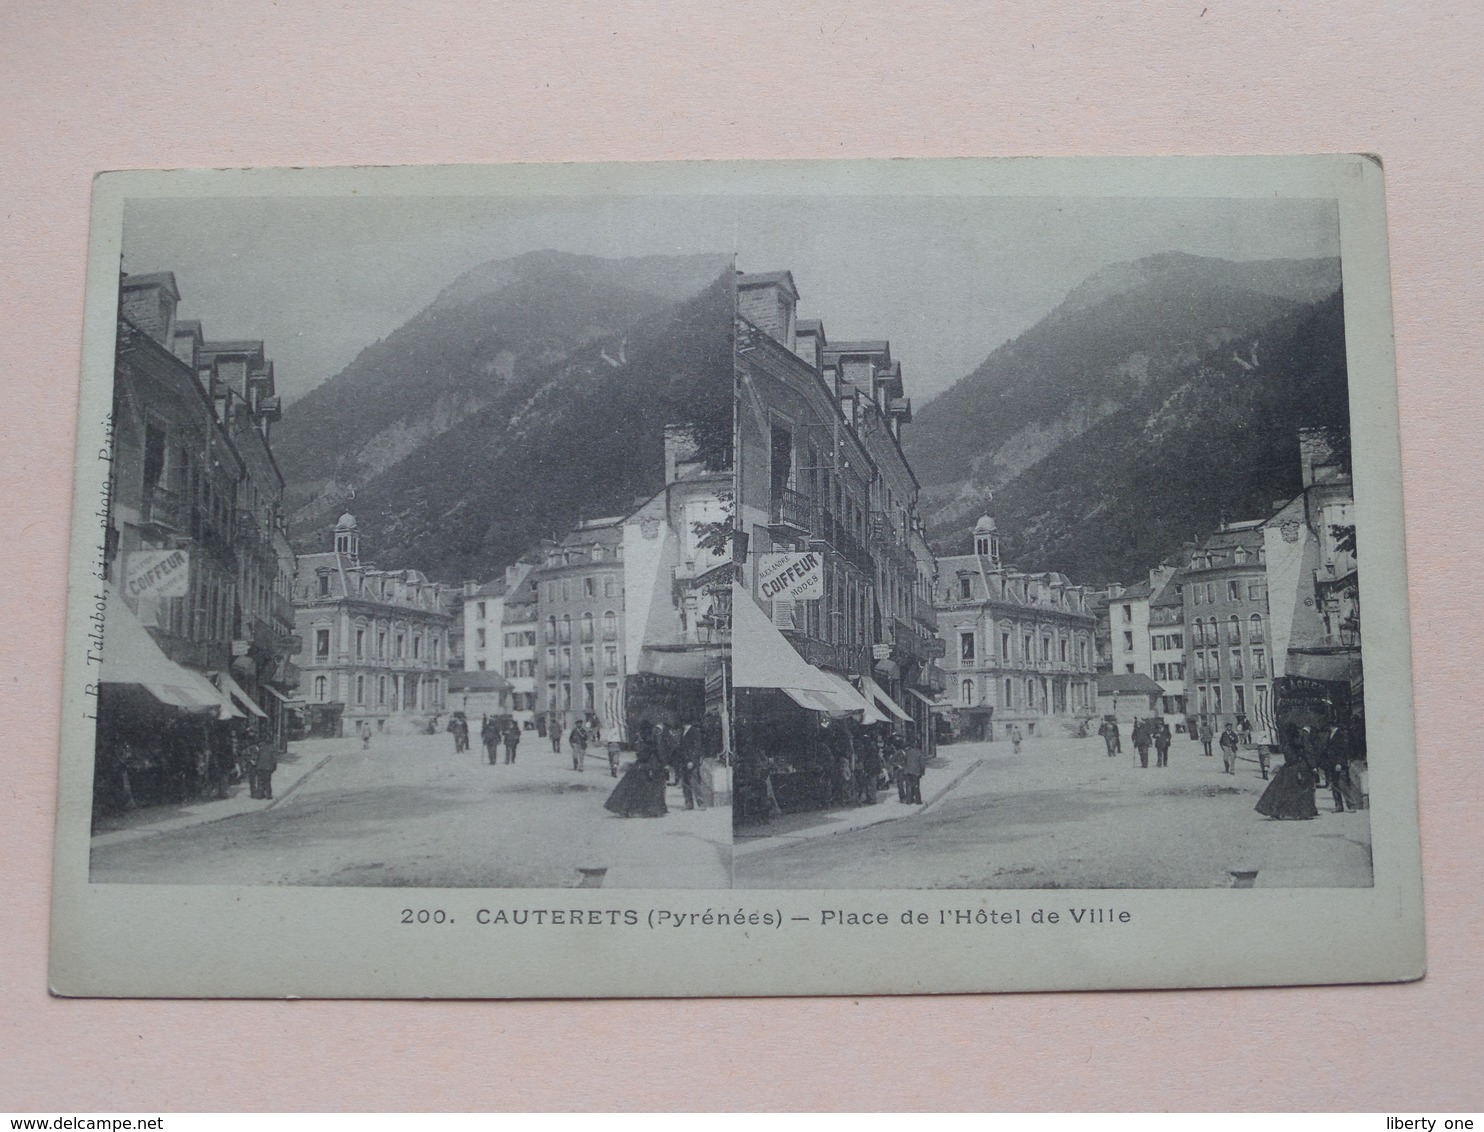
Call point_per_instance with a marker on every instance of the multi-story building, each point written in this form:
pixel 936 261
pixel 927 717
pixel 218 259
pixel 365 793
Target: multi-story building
pixel 483 616
pixel 376 641
pixel 1128 628
pixel 193 479
pixel 1167 645
pixel 678 571
pixel 1020 646
pixel 1314 591
pixel 820 472
pixel 580 608
pixel 1224 592
pixel 518 633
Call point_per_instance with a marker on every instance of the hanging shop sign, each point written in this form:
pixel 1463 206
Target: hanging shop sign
pixel 157 573
pixel 797 576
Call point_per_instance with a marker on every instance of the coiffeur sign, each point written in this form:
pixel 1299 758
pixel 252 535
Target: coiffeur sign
pixel 790 577
pixel 157 573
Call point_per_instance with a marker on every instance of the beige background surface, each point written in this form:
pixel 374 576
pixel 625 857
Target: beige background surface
pixel 85 88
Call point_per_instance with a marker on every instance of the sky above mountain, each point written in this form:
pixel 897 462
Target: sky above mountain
pixel 946 279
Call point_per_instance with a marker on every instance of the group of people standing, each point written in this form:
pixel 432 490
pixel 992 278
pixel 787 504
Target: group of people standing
pixel 1312 756
pixel 665 756
pixel 495 731
pixel 866 758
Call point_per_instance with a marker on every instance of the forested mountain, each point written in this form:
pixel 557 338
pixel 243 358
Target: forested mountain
pixel 530 393
pixel 1162 396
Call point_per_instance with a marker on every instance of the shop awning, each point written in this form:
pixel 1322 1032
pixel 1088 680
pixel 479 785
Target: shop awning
pixel 678 664
pixel 933 705
pixel 1334 669
pixel 277 695
pixel 225 683
pixel 130 656
pixel 852 701
pixel 813 701
pixel 890 669
pixel 875 691
pixel 762 658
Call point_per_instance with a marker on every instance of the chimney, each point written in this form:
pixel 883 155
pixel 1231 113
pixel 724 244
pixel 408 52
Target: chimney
pixel 149 302
pixel 769 300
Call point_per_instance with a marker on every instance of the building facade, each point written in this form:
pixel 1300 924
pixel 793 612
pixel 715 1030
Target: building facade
pixel 375 641
pixel 820 472
pixel 580 607
pixel 1224 594
pixel 518 633
pixel 1020 646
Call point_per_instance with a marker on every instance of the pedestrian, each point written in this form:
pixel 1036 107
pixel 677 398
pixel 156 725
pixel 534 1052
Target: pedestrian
pixel 1229 743
pixel 489 735
pixel 1206 735
pixel 1246 728
pixel 578 739
pixel 1141 742
pixel 641 791
pixel 364 727
pixel 1109 732
pixel 870 770
pixel 1290 795
pixel 512 741
pixel 265 762
pixel 612 759
pixel 912 771
pixel 554 729
pixel 1015 738
pixel 694 781
pixel 1162 743
pixel 1334 753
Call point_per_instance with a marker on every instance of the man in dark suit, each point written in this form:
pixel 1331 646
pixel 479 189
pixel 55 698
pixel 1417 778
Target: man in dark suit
pixel 1334 756
pixel 689 753
pixel 912 769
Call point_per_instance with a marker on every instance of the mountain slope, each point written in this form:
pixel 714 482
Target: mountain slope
pixel 495 325
pixel 574 428
pixel 1095 430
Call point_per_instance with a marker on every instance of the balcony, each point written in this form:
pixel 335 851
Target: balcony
pixel 165 507
pixel 790 512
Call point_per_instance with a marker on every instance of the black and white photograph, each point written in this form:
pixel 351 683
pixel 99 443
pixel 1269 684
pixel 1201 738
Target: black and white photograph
pixel 416 561
pixel 1052 551
pixel 738 578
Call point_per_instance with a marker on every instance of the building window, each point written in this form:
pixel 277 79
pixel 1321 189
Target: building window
pixel 1198 592
pixel 1046 647
pixel 610 658
pixel 1063 649
pixel 1009 693
pixel 381 690
pixel 589 585
pixel 1236 664
pixel 588 700
pixel 1255 633
pixel 966 647
pixel 322 644
pixel 360 643
pixel 566 697
pixel 566 594
pixel 1257 591
pixel 551 660
pixel 1129 667
pixel 566 628
pixel 1233 591
pixel 417 645
pixel 1128 641
pixel 480 665
pixel 360 689
pixel 966 692
pixel 610 626
pixel 1128 614
pixel 607 587
pixel 1234 628
pixel 479 638
pixel 1028 651
pixel 320 686
pixel 380 645
pixel 587 625
pixel 1239 700
pixel 1216 698
pixel 1259 662
pixel 1210 593
pixel 1005 646
pixel 965 587
pixel 324 585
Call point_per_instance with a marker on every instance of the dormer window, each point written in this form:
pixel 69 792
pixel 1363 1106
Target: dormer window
pixel 965 587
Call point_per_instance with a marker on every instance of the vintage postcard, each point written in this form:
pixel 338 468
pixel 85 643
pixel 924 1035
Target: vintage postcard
pixel 738 579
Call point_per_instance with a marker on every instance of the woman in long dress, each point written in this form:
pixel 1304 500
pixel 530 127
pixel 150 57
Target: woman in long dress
pixel 641 790
pixel 1290 795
